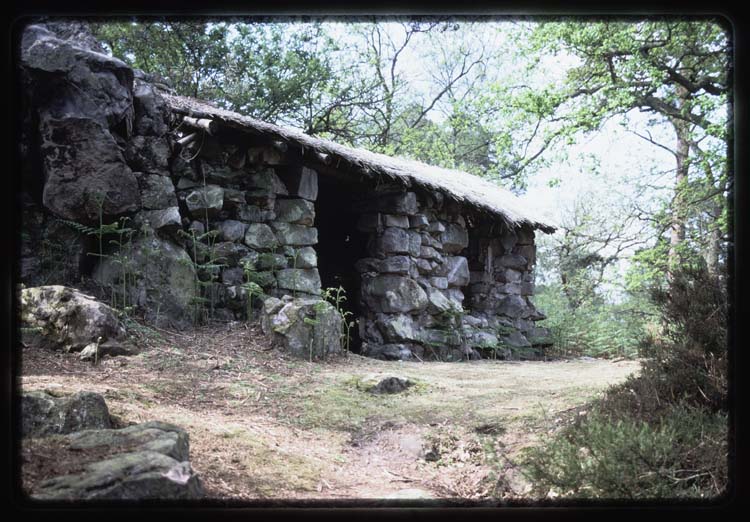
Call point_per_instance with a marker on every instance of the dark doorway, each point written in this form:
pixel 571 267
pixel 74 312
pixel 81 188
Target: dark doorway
pixel 340 245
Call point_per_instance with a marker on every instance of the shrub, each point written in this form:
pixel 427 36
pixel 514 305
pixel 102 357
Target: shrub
pixel 662 434
pixel 682 455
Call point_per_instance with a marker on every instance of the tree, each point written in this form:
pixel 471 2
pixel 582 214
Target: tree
pixel 677 71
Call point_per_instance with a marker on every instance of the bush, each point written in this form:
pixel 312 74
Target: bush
pixel 662 434
pixel 595 328
pixel 683 455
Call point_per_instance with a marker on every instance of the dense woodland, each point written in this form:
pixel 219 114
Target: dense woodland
pixel 643 274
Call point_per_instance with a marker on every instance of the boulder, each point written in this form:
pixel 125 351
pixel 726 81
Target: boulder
pixel 391 220
pixel 95 351
pixel 395 265
pixel 305 327
pixel 231 253
pixel 68 319
pixel 393 294
pixel 268 261
pixel 514 261
pixel 43 414
pixel 266 180
pixel 389 352
pixel 141 462
pixel 398 203
pixel 164 286
pixel 419 221
pixel 86 176
pixel 397 328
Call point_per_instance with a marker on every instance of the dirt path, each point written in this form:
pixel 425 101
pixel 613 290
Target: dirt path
pixel 264 426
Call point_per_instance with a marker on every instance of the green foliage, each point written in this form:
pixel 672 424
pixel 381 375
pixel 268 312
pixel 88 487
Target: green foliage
pixel 663 433
pixel 207 267
pixel 337 297
pixel 596 328
pixel 684 455
pixel 253 289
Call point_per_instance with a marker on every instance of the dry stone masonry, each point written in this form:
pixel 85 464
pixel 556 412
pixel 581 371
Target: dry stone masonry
pixel 216 218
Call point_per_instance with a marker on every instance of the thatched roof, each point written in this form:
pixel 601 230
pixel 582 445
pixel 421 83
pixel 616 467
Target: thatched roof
pixel 461 186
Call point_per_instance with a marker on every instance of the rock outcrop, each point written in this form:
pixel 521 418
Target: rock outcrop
pixel 88 460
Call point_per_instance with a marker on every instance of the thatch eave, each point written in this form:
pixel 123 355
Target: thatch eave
pixel 459 186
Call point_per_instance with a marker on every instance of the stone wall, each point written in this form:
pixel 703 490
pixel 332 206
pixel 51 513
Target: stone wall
pixel 442 281
pixel 209 209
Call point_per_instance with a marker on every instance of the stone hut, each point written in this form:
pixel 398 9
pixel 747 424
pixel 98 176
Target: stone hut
pixel 435 263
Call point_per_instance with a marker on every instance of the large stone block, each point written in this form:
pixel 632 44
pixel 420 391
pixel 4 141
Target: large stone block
pixel 260 237
pixel 164 286
pixel 395 265
pixel 202 201
pixel 167 220
pixel 298 211
pixel 304 257
pixel 148 153
pixel 231 230
pixel 392 241
pixel 391 220
pixel 399 203
pixel 295 235
pixel 397 327
pixel 458 271
pixel 393 294
pixel 299 279
pixel 455 238
pixel 513 261
pixel 300 181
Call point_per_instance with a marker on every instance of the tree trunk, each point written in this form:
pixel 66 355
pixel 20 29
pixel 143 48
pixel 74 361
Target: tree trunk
pixel 678 210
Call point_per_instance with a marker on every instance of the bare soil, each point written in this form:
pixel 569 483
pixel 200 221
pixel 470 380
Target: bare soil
pixel 263 425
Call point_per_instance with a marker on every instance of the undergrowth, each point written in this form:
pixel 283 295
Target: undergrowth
pixel 664 433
